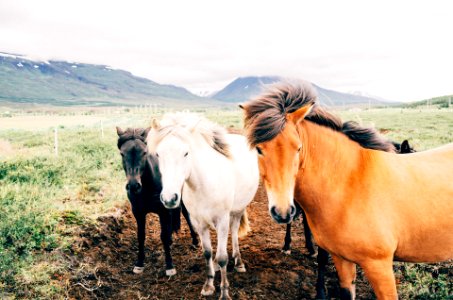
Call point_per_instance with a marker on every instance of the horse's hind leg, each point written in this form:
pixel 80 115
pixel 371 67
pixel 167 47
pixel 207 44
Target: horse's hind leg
pixel 222 255
pixel 323 259
pixel 208 287
pixel 165 236
pixel 380 275
pixel 193 234
pixel 307 233
pixel 235 223
pixel 346 271
pixel 141 227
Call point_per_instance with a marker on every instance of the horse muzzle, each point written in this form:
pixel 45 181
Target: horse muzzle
pixel 285 218
pixel 134 186
pixel 170 201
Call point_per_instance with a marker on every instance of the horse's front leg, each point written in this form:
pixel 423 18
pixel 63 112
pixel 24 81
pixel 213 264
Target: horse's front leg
pixel 287 246
pixel 323 259
pixel 208 287
pixel 165 236
pixel 235 223
pixel 380 275
pixel 346 271
pixel 222 255
pixel 307 233
pixel 140 218
pixel 193 234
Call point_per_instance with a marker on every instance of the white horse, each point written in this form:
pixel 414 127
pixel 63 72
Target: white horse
pixel 217 175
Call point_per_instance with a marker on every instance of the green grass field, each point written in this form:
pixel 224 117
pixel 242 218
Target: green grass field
pixel 44 197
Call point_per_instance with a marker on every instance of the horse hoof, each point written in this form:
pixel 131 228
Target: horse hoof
pixel 208 290
pixel 138 270
pixel 313 254
pixel 170 272
pixel 287 252
pixel 240 269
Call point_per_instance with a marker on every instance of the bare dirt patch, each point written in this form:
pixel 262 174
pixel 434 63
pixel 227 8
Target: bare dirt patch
pixel 105 253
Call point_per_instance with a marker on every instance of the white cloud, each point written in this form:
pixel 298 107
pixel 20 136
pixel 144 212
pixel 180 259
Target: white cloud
pixel 397 50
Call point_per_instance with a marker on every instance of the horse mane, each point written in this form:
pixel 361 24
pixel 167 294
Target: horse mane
pixel 265 116
pixel 213 134
pixel 132 134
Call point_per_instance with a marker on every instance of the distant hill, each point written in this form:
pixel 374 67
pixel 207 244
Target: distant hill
pixel 244 88
pixel 440 102
pixel 24 80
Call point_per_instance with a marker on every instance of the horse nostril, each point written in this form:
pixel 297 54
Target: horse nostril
pixel 174 198
pixel 274 212
pixel 293 211
pixel 128 187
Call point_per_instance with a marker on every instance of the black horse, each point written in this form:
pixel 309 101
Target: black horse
pixel 143 190
pixel 323 255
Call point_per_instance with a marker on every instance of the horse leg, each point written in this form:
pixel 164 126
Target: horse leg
pixel 381 277
pixel 141 227
pixel 307 233
pixel 193 234
pixel 346 271
pixel 287 246
pixel 235 223
pixel 222 256
pixel 165 236
pixel 208 287
pixel 323 259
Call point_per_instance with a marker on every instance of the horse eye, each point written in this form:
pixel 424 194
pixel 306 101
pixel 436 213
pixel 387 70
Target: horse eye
pixel 187 153
pixel 298 150
pixel 157 154
pixel 122 154
pixel 258 149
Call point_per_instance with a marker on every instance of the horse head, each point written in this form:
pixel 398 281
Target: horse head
pixel 272 129
pixel 133 150
pixel 172 149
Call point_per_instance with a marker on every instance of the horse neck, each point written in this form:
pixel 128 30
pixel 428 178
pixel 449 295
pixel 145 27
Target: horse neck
pixel 206 163
pixel 331 164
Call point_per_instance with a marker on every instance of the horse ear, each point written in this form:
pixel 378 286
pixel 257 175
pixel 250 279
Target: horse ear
pixel 405 148
pixel 145 132
pixel 155 124
pixel 300 114
pixel 119 131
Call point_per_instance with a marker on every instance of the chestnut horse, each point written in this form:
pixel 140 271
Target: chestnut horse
pixel 364 206
pixel 322 256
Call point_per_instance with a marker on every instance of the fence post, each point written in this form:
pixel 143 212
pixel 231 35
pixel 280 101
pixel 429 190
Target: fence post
pixel 56 141
pixel 102 129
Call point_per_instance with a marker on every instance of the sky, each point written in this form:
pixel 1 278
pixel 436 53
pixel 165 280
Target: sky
pixel 397 50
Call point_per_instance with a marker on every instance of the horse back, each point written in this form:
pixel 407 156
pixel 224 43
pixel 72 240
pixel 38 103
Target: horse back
pixel 421 204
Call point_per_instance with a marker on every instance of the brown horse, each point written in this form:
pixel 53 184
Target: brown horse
pixel 364 206
pixel 322 256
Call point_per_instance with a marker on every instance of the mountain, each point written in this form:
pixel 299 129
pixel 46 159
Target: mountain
pixel 23 80
pixel 244 88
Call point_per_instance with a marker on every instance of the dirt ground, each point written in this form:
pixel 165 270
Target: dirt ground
pixel 104 257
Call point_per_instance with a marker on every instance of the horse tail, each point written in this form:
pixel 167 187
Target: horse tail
pixel 244 226
pixel 175 219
